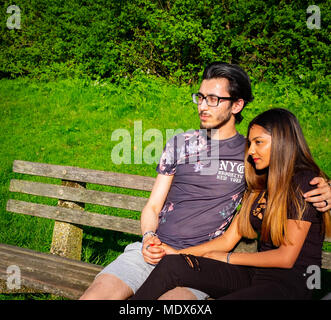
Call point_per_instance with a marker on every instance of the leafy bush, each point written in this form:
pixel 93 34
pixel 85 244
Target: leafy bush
pixel 173 39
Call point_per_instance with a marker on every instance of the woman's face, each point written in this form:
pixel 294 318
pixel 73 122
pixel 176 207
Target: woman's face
pixel 259 146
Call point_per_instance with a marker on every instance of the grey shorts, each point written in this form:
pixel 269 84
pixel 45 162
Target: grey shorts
pixel 131 268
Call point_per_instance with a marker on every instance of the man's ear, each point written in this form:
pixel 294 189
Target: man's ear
pixel 237 106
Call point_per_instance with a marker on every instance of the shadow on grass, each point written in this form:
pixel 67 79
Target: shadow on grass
pixel 103 246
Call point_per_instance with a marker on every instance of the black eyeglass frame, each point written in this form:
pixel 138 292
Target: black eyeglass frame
pixel 206 97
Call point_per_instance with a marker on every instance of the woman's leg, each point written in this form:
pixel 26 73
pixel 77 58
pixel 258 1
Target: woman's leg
pixel 214 277
pixel 272 284
pixel 266 291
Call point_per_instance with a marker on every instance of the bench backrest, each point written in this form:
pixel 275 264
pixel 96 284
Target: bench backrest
pixel 72 194
pixel 79 176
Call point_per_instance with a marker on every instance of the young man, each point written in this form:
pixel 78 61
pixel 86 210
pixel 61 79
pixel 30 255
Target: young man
pixel 198 188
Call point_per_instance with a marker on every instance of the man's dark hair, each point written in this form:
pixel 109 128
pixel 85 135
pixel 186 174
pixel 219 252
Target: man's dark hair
pixel 239 82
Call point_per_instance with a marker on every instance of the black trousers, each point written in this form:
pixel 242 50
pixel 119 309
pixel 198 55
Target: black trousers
pixel 221 280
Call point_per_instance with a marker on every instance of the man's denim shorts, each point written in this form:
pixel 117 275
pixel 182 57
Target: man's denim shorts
pixel 132 269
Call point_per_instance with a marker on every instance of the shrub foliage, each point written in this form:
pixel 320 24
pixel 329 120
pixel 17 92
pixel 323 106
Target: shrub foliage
pixel 173 39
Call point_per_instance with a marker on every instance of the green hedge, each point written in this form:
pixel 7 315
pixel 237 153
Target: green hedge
pixel 173 39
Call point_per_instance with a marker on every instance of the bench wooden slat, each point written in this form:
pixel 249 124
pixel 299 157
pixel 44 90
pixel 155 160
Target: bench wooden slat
pixel 53 270
pixel 48 273
pixel 75 216
pixel 46 284
pixel 326 260
pixel 47 257
pixel 107 178
pixel 78 194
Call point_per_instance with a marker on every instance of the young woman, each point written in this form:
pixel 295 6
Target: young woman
pixel 290 232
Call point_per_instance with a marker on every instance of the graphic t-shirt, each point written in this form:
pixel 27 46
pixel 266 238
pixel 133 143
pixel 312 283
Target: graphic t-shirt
pixel 207 187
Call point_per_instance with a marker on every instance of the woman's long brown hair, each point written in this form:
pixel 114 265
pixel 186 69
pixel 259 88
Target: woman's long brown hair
pixel 289 154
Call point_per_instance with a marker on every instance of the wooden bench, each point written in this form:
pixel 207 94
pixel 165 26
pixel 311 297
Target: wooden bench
pixel 61 272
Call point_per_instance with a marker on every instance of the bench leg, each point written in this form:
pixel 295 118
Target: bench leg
pixel 67 238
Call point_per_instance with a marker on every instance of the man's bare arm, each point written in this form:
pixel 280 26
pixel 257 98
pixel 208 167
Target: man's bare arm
pixel 149 221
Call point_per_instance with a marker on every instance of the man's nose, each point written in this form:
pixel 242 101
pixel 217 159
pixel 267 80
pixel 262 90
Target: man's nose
pixel 203 105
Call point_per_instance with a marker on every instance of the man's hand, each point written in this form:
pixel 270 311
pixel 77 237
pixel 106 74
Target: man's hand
pixel 321 196
pixel 152 250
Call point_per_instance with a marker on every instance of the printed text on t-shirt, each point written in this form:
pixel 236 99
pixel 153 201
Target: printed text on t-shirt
pixel 231 170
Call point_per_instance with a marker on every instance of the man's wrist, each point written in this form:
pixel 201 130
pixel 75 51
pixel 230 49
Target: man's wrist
pixel 148 234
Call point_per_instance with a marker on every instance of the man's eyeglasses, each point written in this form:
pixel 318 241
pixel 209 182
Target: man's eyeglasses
pixel 212 101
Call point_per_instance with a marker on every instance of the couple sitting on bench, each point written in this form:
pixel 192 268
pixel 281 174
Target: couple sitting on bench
pixel 189 224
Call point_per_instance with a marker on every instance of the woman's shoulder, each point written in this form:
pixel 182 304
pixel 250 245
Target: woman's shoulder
pixel 302 179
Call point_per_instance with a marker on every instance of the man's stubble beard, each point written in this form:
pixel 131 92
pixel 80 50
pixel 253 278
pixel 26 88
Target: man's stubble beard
pixel 222 121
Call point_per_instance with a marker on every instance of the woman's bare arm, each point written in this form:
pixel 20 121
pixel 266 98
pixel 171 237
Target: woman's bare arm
pixel 282 257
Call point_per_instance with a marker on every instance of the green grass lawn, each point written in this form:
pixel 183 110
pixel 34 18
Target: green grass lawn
pixel 71 122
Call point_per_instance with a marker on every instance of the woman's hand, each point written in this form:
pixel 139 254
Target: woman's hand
pixel 152 250
pixel 168 249
pixel 216 255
